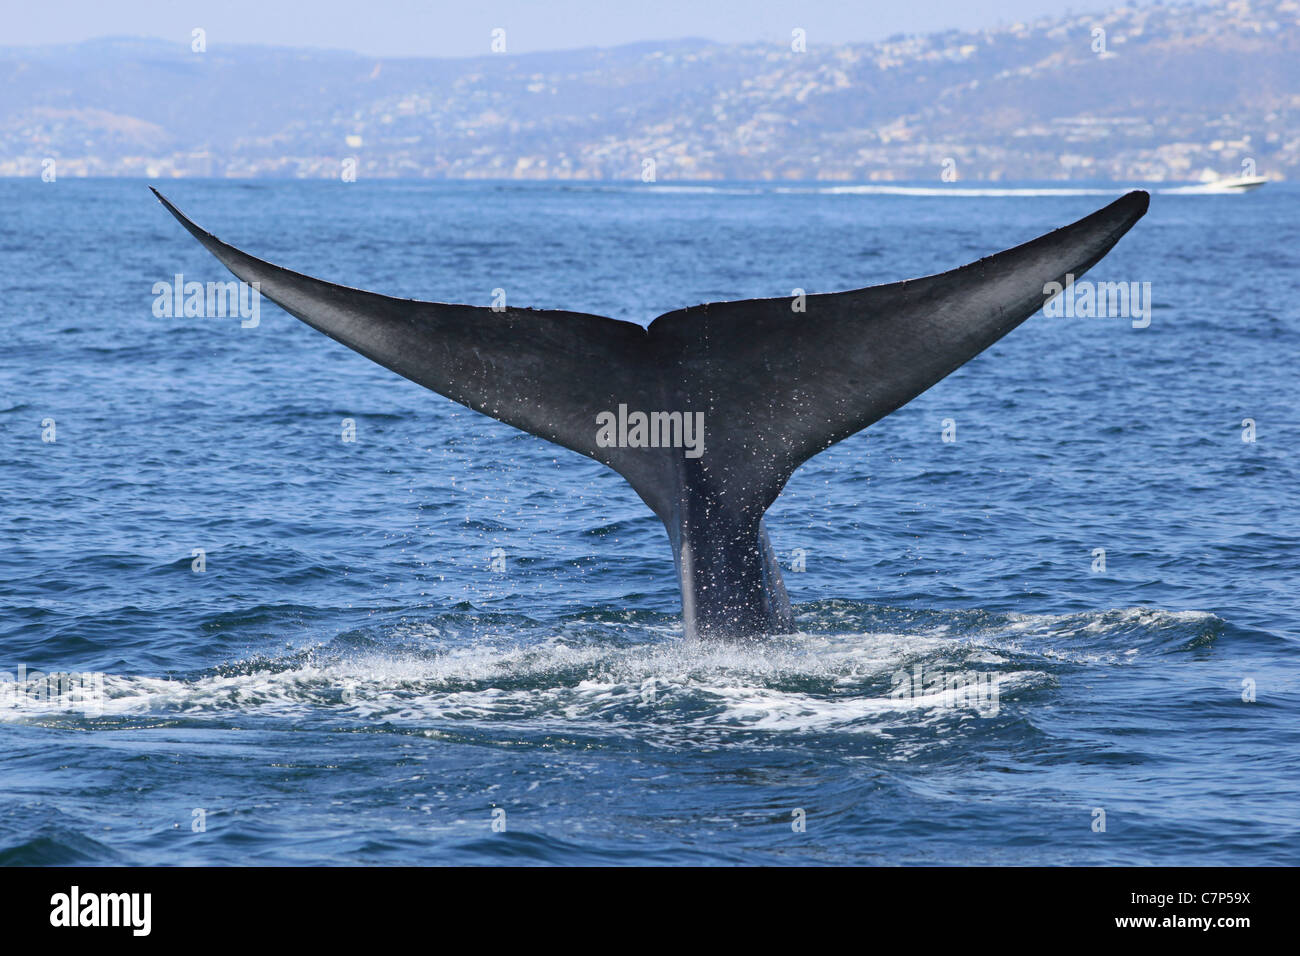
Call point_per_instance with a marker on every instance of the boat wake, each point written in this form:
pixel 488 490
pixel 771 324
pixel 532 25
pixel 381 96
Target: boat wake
pixel 1217 188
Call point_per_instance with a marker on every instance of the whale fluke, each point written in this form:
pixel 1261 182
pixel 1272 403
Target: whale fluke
pixel 774 386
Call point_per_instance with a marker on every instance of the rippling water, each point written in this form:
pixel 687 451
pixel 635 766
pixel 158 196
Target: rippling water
pixel 395 639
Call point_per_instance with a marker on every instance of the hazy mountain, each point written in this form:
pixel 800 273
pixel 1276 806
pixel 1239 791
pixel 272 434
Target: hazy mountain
pixel 1173 92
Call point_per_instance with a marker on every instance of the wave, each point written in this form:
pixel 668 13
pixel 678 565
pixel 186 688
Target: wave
pixel 910 669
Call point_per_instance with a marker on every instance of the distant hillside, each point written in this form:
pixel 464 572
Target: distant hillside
pixel 1176 92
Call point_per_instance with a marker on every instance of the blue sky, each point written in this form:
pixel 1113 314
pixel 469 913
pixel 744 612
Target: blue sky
pixel 463 28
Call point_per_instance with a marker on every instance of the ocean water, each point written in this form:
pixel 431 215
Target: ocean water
pixel 398 642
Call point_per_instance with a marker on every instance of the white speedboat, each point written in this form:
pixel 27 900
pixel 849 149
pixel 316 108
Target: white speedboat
pixel 1232 184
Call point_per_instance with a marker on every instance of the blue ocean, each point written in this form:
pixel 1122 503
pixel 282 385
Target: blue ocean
pixel 438 640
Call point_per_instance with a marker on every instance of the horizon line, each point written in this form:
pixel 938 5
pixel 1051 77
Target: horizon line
pixel 182 44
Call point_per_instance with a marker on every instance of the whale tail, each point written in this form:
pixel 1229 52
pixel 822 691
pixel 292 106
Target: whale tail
pixel 708 411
